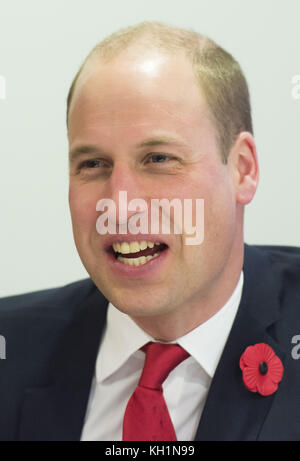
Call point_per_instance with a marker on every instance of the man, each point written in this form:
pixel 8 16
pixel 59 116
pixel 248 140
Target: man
pixel 158 112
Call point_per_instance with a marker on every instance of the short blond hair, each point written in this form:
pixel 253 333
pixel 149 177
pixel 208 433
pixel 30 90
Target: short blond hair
pixel 217 72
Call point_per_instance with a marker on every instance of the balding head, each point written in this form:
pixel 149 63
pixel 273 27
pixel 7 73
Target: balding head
pixel 216 71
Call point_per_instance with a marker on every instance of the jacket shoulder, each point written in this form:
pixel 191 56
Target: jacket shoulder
pixel 285 259
pixel 33 330
pixel 54 302
pixel 283 271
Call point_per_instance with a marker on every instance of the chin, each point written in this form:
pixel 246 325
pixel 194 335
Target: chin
pixel 138 311
pixel 143 305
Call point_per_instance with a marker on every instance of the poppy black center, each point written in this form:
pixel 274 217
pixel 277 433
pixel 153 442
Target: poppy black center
pixel 263 368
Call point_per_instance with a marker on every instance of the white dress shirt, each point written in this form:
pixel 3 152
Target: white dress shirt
pixel 120 363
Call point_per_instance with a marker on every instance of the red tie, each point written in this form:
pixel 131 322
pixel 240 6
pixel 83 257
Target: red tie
pixel 146 416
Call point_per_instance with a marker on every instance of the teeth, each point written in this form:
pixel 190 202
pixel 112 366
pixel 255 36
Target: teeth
pixel 143 245
pixel 124 248
pixel 117 247
pixel 137 261
pixel 132 247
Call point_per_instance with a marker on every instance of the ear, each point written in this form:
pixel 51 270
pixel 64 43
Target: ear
pixel 244 167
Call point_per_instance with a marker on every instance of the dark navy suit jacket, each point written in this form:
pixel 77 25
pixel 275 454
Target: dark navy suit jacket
pixel 52 339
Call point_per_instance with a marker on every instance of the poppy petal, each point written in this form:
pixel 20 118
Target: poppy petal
pixel 250 379
pixel 266 386
pixel 250 357
pixel 275 369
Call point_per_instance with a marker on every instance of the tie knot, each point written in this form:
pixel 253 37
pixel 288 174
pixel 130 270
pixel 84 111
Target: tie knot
pixel 160 360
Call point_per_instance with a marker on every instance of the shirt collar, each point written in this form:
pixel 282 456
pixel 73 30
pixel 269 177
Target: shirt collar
pixel 205 344
pixel 121 339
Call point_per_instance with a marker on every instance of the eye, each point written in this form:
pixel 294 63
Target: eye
pixel 89 164
pixel 159 158
pixel 92 164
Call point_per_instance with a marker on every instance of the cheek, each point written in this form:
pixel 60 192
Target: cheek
pixel 219 206
pixel 221 224
pixel 82 207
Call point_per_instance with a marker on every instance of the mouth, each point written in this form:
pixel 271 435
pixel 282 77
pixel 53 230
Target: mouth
pixel 136 253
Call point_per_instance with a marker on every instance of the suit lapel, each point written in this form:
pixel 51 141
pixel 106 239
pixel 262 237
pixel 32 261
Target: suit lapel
pixel 231 411
pixel 57 412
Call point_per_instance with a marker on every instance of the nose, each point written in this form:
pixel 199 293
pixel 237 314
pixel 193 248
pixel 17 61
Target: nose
pixel 125 185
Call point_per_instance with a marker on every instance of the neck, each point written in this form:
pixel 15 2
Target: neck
pixel 171 326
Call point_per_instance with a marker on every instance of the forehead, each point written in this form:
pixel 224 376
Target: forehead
pixel 137 92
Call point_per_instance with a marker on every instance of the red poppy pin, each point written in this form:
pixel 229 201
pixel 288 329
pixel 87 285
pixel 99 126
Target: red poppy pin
pixel 262 369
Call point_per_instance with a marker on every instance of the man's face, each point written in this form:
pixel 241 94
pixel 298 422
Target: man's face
pixel 151 126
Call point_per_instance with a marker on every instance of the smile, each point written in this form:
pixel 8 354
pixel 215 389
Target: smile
pixel 137 253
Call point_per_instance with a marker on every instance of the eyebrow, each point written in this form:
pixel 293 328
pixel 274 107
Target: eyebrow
pixel 150 142
pixel 162 140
